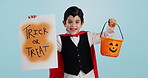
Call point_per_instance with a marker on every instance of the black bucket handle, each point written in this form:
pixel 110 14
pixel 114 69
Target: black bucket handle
pixel 118 27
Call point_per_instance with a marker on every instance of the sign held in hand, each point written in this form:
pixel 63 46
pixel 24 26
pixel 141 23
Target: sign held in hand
pixel 38 43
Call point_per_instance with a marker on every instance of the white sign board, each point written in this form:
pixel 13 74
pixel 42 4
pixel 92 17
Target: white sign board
pixel 38 43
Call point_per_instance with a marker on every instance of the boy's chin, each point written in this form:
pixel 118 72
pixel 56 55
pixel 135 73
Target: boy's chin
pixel 73 33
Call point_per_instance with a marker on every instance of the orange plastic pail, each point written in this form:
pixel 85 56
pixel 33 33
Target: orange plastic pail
pixel 109 46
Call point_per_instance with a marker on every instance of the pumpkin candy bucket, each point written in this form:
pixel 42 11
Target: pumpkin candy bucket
pixel 109 46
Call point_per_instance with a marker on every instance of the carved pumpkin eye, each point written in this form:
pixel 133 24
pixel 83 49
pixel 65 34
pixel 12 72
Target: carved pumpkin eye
pixel 116 45
pixel 111 44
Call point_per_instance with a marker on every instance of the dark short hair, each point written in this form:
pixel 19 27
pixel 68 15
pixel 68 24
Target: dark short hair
pixel 74 11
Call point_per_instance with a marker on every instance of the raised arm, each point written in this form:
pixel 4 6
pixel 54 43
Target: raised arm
pixel 94 38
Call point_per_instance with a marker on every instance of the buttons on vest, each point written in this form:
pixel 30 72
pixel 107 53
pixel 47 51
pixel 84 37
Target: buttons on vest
pixel 78 52
pixel 79 60
pixel 77 49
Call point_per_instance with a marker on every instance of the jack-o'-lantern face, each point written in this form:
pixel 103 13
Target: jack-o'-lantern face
pixel 113 47
pixel 110 47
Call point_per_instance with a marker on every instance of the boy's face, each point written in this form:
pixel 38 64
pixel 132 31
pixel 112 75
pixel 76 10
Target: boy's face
pixel 73 24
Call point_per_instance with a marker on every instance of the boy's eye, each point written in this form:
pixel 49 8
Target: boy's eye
pixel 77 22
pixel 69 22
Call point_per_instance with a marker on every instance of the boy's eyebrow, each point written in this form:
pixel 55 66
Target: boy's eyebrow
pixel 78 20
pixel 69 20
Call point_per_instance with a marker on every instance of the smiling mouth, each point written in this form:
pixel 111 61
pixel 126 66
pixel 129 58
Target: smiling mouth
pixel 112 50
pixel 73 29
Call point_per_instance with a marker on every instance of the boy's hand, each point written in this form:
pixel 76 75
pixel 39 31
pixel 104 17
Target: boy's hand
pixel 112 22
pixel 32 16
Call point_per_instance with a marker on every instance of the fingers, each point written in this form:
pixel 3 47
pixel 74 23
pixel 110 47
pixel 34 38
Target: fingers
pixel 112 22
pixel 32 16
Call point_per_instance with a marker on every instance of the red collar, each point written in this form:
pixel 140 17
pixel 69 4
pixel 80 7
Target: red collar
pixel 76 35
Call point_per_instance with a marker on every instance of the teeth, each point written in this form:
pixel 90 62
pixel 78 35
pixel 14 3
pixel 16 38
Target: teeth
pixel 73 28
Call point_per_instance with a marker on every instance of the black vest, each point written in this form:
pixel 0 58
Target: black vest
pixel 76 58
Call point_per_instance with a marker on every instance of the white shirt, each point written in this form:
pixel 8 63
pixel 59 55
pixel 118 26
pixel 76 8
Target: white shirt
pixel 93 38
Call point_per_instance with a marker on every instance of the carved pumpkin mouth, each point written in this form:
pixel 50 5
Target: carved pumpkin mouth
pixel 112 50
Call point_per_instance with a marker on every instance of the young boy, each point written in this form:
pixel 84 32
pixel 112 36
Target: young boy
pixel 75 47
pixel 76 55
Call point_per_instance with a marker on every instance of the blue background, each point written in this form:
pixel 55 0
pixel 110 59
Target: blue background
pixel 131 15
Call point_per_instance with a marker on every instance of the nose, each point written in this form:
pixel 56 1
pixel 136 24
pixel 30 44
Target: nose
pixel 73 24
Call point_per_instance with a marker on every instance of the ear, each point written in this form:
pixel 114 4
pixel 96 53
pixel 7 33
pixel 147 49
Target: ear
pixel 82 23
pixel 64 23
